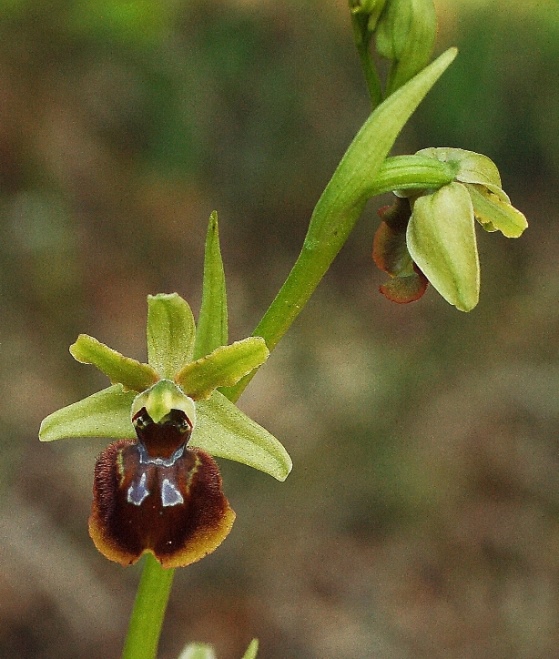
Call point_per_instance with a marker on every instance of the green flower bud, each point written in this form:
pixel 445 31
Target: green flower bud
pixel 405 34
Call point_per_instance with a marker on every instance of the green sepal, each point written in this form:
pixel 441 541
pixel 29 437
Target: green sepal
pixel 492 207
pixel 441 240
pixel 224 367
pixel 160 399
pixel 103 414
pixel 495 213
pixel 212 328
pixel 130 373
pixel 252 650
pixel 171 333
pixel 223 430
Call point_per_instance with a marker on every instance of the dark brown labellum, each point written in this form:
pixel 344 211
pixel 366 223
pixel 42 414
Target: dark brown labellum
pixel 158 495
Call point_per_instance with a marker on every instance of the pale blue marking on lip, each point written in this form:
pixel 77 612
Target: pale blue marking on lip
pixel 137 492
pixel 170 496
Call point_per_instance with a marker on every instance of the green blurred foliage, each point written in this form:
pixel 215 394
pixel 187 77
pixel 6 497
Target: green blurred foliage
pixel 421 516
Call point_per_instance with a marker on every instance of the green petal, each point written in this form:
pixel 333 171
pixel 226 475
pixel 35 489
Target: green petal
pixel 103 414
pixel 223 430
pixel 170 333
pixel 441 240
pixel 224 367
pixel 212 321
pixel 494 213
pixel 119 369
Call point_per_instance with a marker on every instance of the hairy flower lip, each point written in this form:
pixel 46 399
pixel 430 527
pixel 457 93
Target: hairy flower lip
pixel 177 512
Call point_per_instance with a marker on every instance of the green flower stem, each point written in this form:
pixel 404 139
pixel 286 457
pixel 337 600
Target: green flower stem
pixel 149 609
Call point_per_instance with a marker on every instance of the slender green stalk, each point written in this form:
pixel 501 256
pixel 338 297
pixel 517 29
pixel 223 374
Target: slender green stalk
pixel 149 611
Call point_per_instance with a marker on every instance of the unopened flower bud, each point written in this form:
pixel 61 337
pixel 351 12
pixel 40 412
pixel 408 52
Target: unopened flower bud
pixel 405 34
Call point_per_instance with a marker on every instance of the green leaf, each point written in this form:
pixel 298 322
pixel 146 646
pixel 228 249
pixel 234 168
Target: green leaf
pixel 441 240
pixel 224 367
pixel 197 651
pixel 493 213
pixel 103 414
pixel 223 430
pixel 170 333
pixel 131 373
pixel 252 650
pixel 212 322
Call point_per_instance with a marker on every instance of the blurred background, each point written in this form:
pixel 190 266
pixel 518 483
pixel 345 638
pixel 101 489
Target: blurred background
pixel 421 519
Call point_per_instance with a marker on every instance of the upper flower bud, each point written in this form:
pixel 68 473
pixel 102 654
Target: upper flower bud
pixel 405 34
